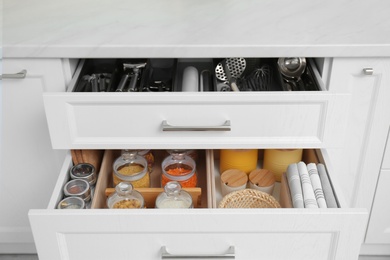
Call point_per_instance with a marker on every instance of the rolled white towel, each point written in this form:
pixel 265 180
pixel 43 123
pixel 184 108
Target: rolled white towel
pixel 309 198
pixel 294 182
pixel 316 182
pixel 326 186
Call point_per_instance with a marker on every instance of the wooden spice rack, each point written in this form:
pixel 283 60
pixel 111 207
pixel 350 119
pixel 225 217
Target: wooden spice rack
pixel 104 185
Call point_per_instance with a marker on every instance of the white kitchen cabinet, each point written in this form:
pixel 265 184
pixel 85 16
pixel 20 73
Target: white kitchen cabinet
pixel 364 144
pixel 29 165
pixel 378 231
pixel 87 120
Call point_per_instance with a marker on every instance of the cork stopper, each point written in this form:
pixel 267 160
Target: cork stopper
pixel 234 178
pixel 262 177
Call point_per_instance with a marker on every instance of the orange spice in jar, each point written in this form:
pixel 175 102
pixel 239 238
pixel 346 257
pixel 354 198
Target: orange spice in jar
pixel 181 168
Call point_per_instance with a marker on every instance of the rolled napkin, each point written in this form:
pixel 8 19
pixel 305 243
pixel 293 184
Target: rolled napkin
pixel 326 186
pixel 309 198
pixel 294 183
pixel 316 182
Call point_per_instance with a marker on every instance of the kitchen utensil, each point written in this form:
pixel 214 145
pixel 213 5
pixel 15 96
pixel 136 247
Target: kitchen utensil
pixel 229 70
pixel 190 81
pixel 136 68
pixel 259 79
pixel 236 67
pixel 123 82
pixel 292 68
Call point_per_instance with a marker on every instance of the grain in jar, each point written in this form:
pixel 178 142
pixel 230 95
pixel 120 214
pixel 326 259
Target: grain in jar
pixel 133 168
pixel 125 197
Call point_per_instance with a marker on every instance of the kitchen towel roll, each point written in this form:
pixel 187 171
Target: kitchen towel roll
pixel 309 198
pixel 326 186
pixel 316 182
pixel 294 183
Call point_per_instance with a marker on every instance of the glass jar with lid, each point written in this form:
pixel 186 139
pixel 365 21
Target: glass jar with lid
pixel 181 168
pixel 174 197
pixel 133 168
pixel 125 197
pixel 149 156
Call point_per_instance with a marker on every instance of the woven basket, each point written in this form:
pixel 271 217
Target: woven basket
pixel 249 198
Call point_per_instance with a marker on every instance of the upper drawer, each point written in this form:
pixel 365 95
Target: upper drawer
pixel 256 119
pixel 280 233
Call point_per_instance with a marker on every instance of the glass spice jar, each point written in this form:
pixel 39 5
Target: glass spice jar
pixel 181 168
pixel 133 168
pixel 125 197
pixel 174 197
pixel 149 156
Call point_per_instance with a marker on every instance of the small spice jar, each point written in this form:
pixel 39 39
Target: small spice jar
pixel 174 197
pixel 233 180
pixel 133 168
pixel 71 203
pixel 263 180
pixel 125 197
pixel 191 153
pixel 181 168
pixel 149 156
pixel 84 171
pixel 78 188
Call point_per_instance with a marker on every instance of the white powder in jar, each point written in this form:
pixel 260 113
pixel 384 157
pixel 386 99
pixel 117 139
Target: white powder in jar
pixel 177 204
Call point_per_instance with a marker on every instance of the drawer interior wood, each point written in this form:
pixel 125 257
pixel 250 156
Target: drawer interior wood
pixel 105 180
pixel 308 156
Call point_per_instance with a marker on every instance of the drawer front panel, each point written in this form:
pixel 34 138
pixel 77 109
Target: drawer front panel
pixel 109 120
pixel 269 233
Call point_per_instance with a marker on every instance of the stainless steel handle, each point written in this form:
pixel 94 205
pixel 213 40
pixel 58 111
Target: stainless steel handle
pixel 230 254
pixel 368 71
pixel 19 75
pixel 224 127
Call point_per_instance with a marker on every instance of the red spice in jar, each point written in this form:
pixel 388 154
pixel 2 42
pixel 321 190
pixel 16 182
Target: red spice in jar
pixel 180 172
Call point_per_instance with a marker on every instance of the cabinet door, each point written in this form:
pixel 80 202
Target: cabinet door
pixel 360 159
pixel 29 166
pixel 379 226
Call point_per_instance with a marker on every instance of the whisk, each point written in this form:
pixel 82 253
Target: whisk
pixel 259 79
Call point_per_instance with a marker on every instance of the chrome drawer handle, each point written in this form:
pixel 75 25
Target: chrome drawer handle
pixel 368 71
pixel 224 127
pixel 230 254
pixel 19 75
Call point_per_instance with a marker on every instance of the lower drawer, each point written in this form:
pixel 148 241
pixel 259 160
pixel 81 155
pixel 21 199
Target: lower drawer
pixel 205 232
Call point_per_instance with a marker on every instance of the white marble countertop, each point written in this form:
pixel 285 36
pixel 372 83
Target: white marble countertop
pixel 196 28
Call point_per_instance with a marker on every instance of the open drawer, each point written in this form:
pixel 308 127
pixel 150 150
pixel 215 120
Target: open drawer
pixel 204 232
pixel 256 119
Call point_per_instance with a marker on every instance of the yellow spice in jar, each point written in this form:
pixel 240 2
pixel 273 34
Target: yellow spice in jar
pixel 131 170
pixel 127 204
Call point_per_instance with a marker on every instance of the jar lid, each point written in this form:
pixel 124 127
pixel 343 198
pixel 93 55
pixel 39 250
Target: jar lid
pixel 78 188
pixel 84 171
pixel 234 177
pixel 71 203
pixel 262 177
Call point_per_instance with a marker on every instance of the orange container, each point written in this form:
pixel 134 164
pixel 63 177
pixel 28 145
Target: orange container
pixel 241 159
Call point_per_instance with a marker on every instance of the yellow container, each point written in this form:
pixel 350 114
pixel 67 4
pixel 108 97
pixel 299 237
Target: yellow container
pixel 241 159
pixel 277 160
